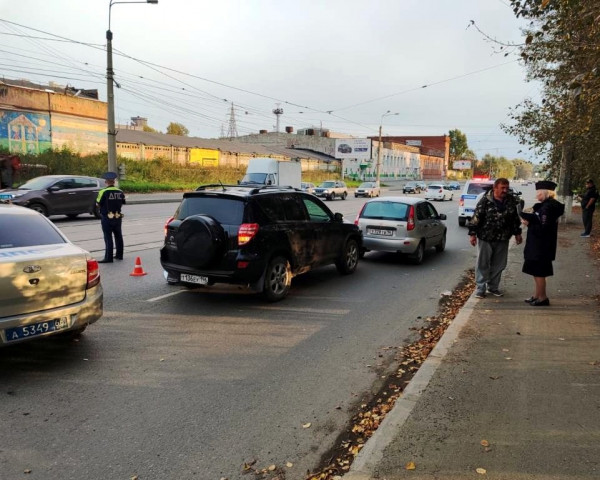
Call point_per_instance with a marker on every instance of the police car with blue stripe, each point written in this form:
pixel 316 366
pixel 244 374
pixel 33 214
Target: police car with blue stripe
pixel 469 197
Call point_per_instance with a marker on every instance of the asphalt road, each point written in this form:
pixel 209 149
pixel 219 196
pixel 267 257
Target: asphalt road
pixel 175 383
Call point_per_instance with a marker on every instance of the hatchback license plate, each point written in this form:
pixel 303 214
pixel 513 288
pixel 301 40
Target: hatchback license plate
pixel 36 329
pixel 194 279
pixel 380 231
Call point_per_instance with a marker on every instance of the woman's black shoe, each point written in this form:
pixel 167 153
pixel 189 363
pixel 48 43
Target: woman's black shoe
pixel 105 261
pixel 530 299
pixel 540 303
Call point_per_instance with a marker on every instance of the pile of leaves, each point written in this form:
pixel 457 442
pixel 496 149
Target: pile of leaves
pixel 365 422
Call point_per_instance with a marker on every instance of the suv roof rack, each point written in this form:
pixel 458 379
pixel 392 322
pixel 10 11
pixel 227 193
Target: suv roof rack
pixel 252 187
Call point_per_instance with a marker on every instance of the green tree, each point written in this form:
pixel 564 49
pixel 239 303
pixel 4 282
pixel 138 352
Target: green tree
pixel 175 128
pixel 148 128
pixel 523 168
pixel 561 51
pixel 458 144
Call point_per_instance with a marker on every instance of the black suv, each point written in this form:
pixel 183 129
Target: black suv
pixel 256 236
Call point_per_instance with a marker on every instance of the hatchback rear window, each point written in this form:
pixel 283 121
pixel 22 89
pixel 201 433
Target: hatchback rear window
pixel 386 210
pixel 227 211
pixel 26 231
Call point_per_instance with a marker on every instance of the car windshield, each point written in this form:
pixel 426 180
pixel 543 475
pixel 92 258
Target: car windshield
pixel 411 184
pixel 255 178
pixel 477 188
pixel 328 184
pixel 27 231
pixel 367 185
pixel 435 186
pixel 38 183
pixel 386 210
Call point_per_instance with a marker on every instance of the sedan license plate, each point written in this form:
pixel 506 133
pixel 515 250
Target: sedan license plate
pixel 198 280
pixel 36 329
pixel 380 231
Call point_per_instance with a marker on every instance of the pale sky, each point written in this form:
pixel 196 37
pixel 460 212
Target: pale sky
pixel 339 64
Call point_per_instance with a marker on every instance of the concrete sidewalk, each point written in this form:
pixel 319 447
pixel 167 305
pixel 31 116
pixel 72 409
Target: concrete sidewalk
pixel 511 390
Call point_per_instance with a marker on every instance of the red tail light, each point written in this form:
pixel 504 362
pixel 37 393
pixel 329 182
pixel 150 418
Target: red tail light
pixel 410 224
pixel 441 191
pixel 461 202
pixel 247 232
pixel 167 224
pixel 93 273
pixel 359 214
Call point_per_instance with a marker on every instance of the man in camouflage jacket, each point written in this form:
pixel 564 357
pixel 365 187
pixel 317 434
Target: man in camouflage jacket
pixel 495 220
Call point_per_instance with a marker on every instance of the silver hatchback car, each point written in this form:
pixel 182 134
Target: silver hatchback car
pixel 48 286
pixel 405 225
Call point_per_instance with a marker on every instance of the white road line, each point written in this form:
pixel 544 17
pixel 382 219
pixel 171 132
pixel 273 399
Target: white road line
pixel 156 299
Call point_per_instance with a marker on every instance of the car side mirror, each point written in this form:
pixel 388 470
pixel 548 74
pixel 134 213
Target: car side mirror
pixel 53 188
pixel 338 217
pixel 442 216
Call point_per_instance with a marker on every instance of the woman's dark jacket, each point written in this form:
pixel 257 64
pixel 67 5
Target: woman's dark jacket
pixel 542 231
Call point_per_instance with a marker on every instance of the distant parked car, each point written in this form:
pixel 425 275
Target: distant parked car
pixel 454 185
pixel 406 225
pixel 48 286
pixel 307 187
pixel 332 189
pixel 69 195
pixel 368 189
pixel 439 191
pixel 411 187
pixel 422 185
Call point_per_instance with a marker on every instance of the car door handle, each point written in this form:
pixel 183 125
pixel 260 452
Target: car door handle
pixel 72 193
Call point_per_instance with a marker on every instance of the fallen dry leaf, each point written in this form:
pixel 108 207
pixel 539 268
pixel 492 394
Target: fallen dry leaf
pixel 27 470
pixel 485 443
pixel 481 471
pixel 135 477
pixel 289 464
pixel 410 466
pixel 272 468
pixel 306 425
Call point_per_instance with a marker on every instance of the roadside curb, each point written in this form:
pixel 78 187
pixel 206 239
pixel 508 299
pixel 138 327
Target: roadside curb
pixel 370 456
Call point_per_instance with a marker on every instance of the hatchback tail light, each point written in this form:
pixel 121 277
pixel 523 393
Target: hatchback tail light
pixel 167 224
pixel 410 224
pixel 441 191
pixel 359 214
pixel 247 232
pixel 93 274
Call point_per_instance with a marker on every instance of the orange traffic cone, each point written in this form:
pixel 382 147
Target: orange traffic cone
pixel 138 271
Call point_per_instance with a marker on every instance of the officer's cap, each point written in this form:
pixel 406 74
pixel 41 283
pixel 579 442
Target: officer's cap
pixel 545 185
pixel 109 176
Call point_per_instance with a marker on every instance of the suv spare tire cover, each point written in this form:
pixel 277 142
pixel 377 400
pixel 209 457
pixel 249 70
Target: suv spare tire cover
pixel 200 240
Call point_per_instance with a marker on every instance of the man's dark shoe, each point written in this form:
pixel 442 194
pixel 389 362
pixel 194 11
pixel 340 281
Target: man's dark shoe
pixel 531 299
pixel 118 258
pixel 540 303
pixel 479 294
pixel 105 260
pixel 496 293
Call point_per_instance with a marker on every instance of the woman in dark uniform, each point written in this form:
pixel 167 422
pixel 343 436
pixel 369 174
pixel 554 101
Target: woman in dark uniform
pixel 542 233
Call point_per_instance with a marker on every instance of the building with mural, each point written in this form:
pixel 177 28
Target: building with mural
pixel 33 120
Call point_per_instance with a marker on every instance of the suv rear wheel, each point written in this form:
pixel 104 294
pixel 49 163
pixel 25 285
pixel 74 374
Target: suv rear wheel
pixel 278 279
pixel 347 263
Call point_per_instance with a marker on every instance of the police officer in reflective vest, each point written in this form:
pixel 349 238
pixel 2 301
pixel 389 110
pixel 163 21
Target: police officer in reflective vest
pixel 110 200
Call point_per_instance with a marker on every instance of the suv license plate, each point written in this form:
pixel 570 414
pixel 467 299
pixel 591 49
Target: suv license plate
pixel 194 279
pixel 379 231
pixel 36 329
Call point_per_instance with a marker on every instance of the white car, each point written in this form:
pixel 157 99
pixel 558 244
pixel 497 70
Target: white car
pixel 439 191
pixel 48 286
pixel 470 196
pixel 368 189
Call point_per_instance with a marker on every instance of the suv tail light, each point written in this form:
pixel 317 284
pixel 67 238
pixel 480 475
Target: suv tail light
pixel 93 274
pixel 167 224
pixel 461 202
pixel 247 232
pixel 410 224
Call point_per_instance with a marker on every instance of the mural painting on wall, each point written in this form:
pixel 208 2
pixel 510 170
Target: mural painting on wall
pixel 25 132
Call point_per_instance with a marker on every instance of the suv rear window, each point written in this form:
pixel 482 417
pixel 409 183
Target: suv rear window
pixel 27 231
pixel 228 211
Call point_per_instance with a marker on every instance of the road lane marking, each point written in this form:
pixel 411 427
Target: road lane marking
pixel 156 299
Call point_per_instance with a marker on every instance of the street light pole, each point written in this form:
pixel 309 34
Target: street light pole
pixel 379 149
pixel 110 94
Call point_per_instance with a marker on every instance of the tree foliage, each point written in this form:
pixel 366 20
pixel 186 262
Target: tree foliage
pixel 175 128
pixel 458 144
pixel 148 128
pixel 561 51
pixel 496 167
